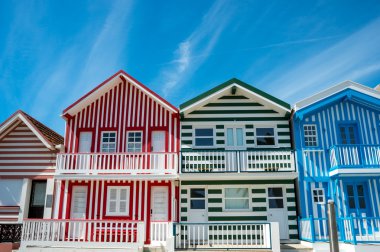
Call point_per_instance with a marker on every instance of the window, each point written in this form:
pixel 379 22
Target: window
pixel 197 198
pixel 348 134
pixel 235 138
pixel 265 137
pixel 310 135
pixel 319 196
pixel 204 137
pixel 236 199
pixel 118 200
pixel 134 141
pixel 275 197
pixel 108 142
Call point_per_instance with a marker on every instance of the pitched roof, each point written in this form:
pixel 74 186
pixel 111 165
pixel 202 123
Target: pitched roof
pixel 335 90
pixel 231 82
pixel 48 136
pixel 81 102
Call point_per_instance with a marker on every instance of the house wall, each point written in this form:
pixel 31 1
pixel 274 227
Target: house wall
pixel 258 201
pixel 314 163
pixel 124 107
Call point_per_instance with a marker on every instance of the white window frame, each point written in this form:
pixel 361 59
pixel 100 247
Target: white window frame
pixel 316 135
pixel 118 213
pixel 274 133
pixel 318 196
pixel 127 140
pixel 101 142
pixel 237 210
pixel 213 137
pixel 235 147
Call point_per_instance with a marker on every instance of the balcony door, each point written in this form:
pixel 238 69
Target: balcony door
pixel 358 203
pixel 160 203
pixel 348 134
pixel 158 145
pixel 37 199
pixel 85 141
pixel 78 211
pixel 235 138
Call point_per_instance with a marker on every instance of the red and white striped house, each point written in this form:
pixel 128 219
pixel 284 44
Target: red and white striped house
pixel 115 181
pixel 27 165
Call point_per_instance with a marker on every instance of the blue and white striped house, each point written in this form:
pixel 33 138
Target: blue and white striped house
pixel 337 138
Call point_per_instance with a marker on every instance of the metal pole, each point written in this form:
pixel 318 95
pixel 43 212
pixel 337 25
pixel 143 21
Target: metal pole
pixel 334 242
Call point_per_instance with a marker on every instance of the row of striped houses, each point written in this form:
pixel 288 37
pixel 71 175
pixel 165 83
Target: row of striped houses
pixel 233 167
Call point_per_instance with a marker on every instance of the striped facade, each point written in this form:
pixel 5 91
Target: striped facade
pixel 235 104
pixel 349 104
pixel 120 104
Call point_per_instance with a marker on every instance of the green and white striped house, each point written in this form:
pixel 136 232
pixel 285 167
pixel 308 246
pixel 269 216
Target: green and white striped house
pixel 236 159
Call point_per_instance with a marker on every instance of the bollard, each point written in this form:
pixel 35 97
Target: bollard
pixel 334 242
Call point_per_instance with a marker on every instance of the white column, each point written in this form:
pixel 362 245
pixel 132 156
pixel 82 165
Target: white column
pixel 275 236
pixel 49 191
pixel 57 198
pixel 24 199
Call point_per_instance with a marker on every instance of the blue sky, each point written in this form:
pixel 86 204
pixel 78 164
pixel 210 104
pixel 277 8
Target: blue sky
pixel 53 52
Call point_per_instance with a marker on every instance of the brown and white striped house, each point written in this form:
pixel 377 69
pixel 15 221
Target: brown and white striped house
pixel 27 164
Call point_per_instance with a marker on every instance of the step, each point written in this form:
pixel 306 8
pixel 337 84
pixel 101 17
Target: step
pixel 294 247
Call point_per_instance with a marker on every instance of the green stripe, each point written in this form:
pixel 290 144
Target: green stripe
pixel 293 236
pixel 282 126
pixel 219 141
pixel 237 182
pixel 292 208
pixel 290 190
pixel 232 97
pixel 187 126
pixel 186 142
pixel 186 134
pixel 258 190
pixel 227 111
pixel 249 126
pixel 183 209
pixel 291 199
pixel 284 141
pixel 183 200
pixel 183 191
pixel 214 200
pixel 250 141
pixel 220 134
pixel 222 119
pixel 293 227
pixel 292 217
pixel 215 209
pixel 219 126
pixel 259 200
pixel 237 218
pixel 259 209
pixel 183 218
pixel 283 133
pixel 214 191
pixel 250 133
pixel 233 104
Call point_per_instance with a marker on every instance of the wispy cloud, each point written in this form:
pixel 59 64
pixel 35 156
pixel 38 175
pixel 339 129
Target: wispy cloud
pixel 353 57
pixel 196 48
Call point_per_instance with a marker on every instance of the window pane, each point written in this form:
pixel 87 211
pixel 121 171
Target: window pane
pixel 350 190
pixel 236 192
pixel 276 203
pixel 197 204
pixel 204 141
pixel 265 132
pixel 239 137
pixel 237 204
pixel 197 193
pixel 265 141
pixel 204 132
pixel 360 190
pixel 39 194
pixel 230 137
pixel 362 203
pixel 275 192
pixel 351 202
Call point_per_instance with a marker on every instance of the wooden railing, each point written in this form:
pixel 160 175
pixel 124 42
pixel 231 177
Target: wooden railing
pixel 130 163
pixel 237 161
pixel 223 235
pixel 350 229
pixel 160 231
pixel 87 233
pixel 355 156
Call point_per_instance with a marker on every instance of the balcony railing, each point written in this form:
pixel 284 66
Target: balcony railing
pixel 82 233
pixel 111 163
pixel 237 161
pixel 355 156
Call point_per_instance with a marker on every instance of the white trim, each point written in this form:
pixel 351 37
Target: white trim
pixel 194 146
pixel 320 189
pixel 127 141
pixel 316 134
pixel 101 140
pixel 128 200
pixel 336 89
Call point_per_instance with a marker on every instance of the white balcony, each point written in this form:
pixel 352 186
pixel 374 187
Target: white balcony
pixel 117 163
pixel 237 161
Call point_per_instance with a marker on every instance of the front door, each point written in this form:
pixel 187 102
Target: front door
pixel 198 233
pixel 348 134
pixel 277 210
pixel 358 205
pixel 158 145
pixel 78 211
pixel 85 139
pixel 37 199
pixel 160 203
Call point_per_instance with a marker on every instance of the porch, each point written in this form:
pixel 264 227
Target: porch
pixel 237 161
pixel 351 229
pixel 117 163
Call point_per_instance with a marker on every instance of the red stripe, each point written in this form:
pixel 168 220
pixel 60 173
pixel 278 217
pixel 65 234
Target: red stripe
pixel 27 158
pixel 26 170
pixel 27 164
